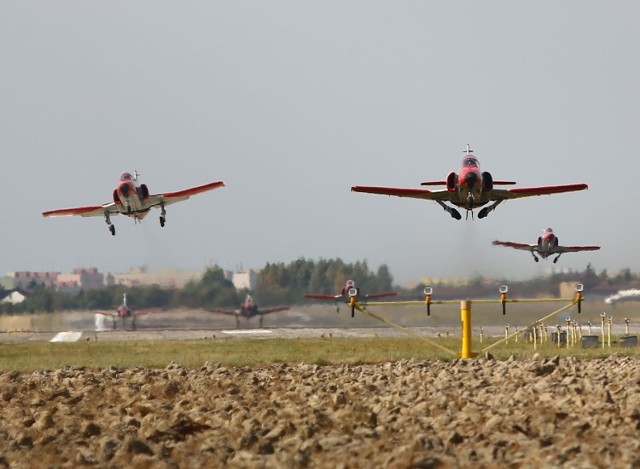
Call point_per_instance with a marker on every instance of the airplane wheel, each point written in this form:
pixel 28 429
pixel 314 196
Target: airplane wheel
pixel 113 230
pixel 162 220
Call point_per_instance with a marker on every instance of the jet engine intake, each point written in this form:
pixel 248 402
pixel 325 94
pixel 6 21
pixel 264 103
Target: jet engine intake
pixel 487 181
pixel 452 181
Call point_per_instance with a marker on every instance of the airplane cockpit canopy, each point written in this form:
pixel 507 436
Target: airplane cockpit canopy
pixel 351 283
pixel 126 177
pixel 469 161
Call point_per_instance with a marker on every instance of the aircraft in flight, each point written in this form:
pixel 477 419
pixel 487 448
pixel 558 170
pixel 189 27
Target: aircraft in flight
pixel 469 188
pixel 134 201
pixel 350 294
pixel 248 309
pixel 547 246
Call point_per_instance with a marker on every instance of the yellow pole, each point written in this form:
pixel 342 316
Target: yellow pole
pixel 465 316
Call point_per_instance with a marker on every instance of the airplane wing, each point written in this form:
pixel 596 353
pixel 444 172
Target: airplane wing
pixel 400 192
pixel 381 294
pixel 522 246
pixel 505 194
pixel 322 296
pixel 226 312
pixel 274 309
pixel 88 211
pixel 563 249
pixel 168 198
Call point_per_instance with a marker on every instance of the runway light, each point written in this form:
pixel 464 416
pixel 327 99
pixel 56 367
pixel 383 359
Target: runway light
pixel 578 300
pixel 503 297
pixel 427 298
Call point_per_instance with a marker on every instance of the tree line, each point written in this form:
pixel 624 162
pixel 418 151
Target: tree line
pixel 277 283
pixel 280 284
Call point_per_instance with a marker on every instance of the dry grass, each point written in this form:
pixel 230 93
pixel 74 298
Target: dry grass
pixel 249 352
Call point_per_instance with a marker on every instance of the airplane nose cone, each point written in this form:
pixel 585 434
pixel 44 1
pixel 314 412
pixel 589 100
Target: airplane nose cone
pixel 471 179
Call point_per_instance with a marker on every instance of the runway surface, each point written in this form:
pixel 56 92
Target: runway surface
pixel 199 334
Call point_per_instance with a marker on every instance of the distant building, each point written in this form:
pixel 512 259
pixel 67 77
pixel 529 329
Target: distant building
pixel 80 279
pixel 246 279
pixel 13 296
pixel 25 279
pixel 167 278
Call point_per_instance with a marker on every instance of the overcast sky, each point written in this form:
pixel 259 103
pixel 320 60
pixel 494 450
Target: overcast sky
pixel 290 103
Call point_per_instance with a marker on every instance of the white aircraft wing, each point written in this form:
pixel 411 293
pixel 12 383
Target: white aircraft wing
pixel 168 198
pixel 87 211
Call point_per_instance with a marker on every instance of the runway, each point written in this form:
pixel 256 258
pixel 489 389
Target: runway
pixel 219 334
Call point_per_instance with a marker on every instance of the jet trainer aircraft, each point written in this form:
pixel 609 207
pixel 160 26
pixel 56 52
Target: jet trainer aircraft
pixel 470 188
pixel 547 246
pixel 134 201
pixel 249 309
pixel 350 295
pixel 123 312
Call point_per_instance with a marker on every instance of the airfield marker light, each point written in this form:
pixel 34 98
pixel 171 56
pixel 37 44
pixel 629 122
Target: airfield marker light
pixel 602 315
pixel 578 300
pixel 506 334
pixel 517 333
pixel 589 326
pixel 558 331
pixel 353 293
pixel 427 299
pixel 609 321
pixel 535 339
pixel 503 297
pixel 569 335
pixel 481 334
pixel 626 326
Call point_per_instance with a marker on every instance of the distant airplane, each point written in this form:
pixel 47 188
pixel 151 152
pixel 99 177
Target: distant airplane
pixel 349 294
pixel 133 200
pixel 123 312
pixel 248 309
pixel 469 189
pixel 547 246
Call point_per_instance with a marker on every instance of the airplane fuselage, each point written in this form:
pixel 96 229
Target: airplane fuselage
pixel 471 189
pixel 547 243
pixel 131 198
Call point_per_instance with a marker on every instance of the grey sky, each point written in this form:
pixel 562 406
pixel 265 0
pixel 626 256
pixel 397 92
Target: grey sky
pixel 291 103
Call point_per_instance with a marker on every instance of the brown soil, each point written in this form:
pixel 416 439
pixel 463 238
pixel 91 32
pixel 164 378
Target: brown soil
pixel 466 413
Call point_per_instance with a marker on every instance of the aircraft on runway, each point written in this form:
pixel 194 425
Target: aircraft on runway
pixel 547 246
pixel 350 294
pixel 248 309
pixel 133 200
pixel 470 188
pixel 123 312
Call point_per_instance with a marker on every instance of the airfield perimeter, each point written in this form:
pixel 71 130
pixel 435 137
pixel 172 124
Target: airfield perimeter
pixel 541 411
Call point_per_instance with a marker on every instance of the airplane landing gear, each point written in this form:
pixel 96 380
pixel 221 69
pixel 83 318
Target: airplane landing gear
pixel 485 211
pixel 535 258
pixel 556 259
pixel 450 210
pixel 163 215
pixel 107 220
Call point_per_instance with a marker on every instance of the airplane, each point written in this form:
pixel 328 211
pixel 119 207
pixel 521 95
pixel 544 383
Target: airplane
pixel 249 309
pixel 123 312
pixel 134 201
pixel 350 294
pixel 470 188
pixel 547 246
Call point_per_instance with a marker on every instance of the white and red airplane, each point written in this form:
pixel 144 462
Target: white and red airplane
pixel 547 246
pixel 470 188
pixel 133 200
pixel 249 309
pixel 350 294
